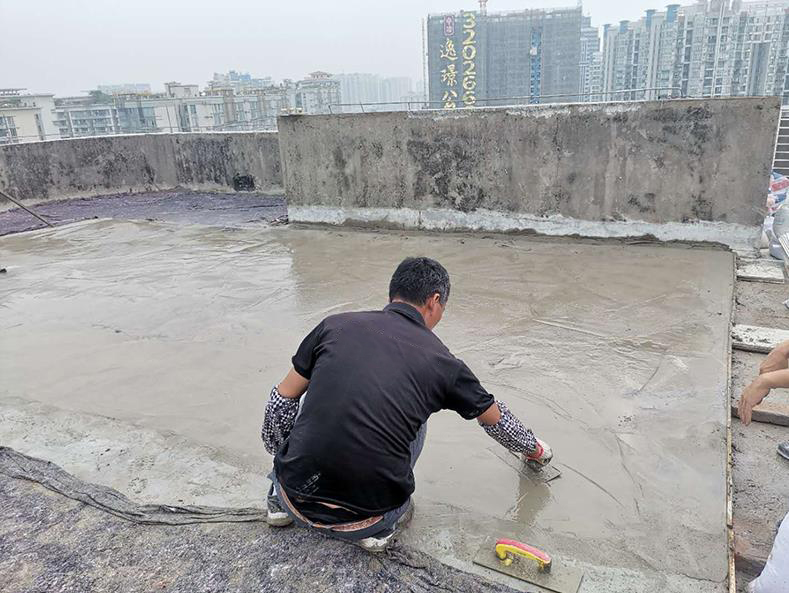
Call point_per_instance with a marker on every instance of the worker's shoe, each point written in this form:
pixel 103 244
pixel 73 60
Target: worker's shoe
pixel 783 450
pixel 276 516
pixel 380 542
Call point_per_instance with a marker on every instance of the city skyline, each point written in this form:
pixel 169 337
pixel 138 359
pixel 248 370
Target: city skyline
pixel 712 48
pixel 92 43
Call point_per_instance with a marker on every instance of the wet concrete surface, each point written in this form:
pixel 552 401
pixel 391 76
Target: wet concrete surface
pixel 219 209
pixel 614 354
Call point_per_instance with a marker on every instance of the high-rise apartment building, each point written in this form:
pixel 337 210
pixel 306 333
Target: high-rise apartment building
pixel 713 48
pixel 360 87
pixel 591 65
pixel 396 89
pixel 524 56
pixel 360 92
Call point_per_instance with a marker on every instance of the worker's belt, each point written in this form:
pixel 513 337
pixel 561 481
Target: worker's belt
pixel 340 527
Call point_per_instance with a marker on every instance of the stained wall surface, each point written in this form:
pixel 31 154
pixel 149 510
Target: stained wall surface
pixel 40 171
pixel 657 162
pixel 614 354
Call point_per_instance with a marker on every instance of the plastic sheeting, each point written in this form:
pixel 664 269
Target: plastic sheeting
pixel 18 465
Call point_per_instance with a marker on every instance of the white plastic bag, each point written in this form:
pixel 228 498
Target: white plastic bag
pixel 775 576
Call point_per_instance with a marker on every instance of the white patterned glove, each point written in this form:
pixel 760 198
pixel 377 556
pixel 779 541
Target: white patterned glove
pixel 541 456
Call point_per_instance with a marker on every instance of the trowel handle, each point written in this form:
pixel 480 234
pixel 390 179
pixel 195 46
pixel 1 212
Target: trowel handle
pixel 507 548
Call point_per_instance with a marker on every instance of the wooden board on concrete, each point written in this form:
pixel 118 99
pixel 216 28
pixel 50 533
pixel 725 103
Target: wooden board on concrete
pixel 748 557
pixel 562 578
pixel 768 412
pixel 757 339
pixel 760 270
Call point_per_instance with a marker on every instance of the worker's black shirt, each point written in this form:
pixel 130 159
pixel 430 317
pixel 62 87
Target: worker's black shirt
pixel 375 377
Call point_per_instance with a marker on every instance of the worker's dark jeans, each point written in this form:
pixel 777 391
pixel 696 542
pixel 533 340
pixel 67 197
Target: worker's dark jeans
pixel 383 527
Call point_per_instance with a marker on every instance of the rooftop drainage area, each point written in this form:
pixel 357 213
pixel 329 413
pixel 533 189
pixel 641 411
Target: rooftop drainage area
pixel 142 332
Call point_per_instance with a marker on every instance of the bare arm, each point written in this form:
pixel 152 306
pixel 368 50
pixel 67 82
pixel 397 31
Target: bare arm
pixel 758 390
pixel 773 374
pixel 293 385
pixel 776 379
pixel 490 416
pixel 777 360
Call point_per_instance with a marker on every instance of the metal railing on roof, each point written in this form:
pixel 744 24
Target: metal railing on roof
pixel 496 13
pixel 600 96
pixel 781 158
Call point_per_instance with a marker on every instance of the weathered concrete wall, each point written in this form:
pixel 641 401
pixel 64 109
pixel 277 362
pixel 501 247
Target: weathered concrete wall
pixel 655 162
pixel 89 166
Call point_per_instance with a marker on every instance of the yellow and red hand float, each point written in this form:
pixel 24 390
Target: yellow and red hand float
pixel 507 549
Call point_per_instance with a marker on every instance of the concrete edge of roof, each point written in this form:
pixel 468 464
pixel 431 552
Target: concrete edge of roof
pixel 733 236
pixel 729 444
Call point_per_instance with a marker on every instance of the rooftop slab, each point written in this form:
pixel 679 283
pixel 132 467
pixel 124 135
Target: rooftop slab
pixel 614 354
pixel 183 206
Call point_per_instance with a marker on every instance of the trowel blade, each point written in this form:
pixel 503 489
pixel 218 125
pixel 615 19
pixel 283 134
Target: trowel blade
pixel 545 474
pixel 561 578
pixel 541 475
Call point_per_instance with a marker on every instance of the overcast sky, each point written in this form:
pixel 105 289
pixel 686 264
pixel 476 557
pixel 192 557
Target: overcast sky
pixel 68 46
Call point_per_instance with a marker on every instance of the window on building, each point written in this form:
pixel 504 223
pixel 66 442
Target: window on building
pixel 39 126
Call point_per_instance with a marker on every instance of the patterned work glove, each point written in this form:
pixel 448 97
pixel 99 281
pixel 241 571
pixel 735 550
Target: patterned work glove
pixel 280 417
pixel 510 432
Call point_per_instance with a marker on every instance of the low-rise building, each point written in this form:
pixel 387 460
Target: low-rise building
pixel 26 117
pixel 180 108
pixel 92 115
pixel 124 88
pixel 318 93
pixel 184 108
pixel 238 81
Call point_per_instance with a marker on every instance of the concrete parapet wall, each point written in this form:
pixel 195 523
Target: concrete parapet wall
pixel 701 161
pixel 79 167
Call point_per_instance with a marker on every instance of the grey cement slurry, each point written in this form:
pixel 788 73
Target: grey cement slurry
pixel 616 355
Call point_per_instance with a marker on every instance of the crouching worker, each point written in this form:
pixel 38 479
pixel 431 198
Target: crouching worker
pixel 343 462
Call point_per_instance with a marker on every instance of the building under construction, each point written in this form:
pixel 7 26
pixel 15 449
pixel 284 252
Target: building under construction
pixel 494 58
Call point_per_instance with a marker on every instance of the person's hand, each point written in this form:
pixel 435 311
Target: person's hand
pixel 751 396
pixel 775 361
pixel 542 456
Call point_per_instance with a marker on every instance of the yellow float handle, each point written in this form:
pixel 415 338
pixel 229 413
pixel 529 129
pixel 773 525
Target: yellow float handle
pixel 507 548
